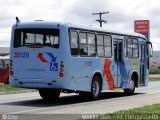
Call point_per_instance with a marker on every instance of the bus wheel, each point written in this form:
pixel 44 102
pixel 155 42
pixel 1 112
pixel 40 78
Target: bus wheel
pixel 131 89
pixel 49 94
pixel 95 88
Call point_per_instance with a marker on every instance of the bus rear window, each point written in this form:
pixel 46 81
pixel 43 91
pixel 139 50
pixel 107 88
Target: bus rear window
pixel 36 37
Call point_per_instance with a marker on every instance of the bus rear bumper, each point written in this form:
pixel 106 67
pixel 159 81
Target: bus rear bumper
pixel 38 83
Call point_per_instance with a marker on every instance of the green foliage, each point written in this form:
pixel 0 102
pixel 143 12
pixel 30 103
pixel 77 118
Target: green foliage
pixel 143 113
pixel 148 109
pixel 5 88
pixel 154 71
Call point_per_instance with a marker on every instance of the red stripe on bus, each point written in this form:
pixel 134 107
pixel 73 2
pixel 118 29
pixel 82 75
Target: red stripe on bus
pixel 107 74
pixel 40 56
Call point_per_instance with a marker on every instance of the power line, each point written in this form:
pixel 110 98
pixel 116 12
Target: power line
pixel 100 17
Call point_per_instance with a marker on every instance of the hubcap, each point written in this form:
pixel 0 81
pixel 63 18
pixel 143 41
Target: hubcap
pixel 131 84
pixel 95 88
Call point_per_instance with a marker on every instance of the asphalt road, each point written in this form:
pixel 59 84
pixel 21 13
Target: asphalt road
pixel 72 104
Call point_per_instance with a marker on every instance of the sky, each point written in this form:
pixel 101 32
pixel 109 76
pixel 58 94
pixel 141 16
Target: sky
pixel 122 14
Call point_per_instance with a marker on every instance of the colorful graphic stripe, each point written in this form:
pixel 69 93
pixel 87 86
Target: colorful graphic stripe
pixel 107 74
pixel 43 59
pixel 40 56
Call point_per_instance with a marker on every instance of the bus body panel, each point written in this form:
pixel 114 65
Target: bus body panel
pixel 83 70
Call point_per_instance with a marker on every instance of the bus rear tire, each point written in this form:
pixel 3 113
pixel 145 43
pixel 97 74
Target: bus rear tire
pixel 49 94
pixel 131 89
pixel 95 88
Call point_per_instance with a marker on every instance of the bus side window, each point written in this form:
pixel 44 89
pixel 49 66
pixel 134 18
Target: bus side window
pixel 18 37
pixel 83 44
pixel 135 49
pixel 115 52
pixel 129 48
pixel 91 44
pixel 74 43
pixel 107 46
pixel 120 52
pixel 100 45
pixel 132 48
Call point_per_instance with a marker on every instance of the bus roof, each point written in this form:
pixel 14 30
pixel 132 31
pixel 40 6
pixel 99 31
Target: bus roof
pixel 120 32
pixel 46 24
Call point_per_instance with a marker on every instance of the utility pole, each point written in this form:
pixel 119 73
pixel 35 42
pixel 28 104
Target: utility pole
pixel 100 17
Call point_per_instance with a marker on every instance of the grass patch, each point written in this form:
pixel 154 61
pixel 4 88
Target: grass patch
pixel 5 88
pixel 154 79
pixel 148 112
pixel 154 71
pixel 148 109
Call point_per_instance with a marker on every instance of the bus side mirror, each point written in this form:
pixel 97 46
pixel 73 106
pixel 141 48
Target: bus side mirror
pixel 150 49
pixel 151 52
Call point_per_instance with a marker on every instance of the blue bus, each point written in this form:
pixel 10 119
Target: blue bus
pixel 59 57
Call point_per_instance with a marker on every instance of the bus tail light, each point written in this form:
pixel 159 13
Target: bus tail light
pixel 10 64
pixel 11 67
pixel 10 72
pixel 61 73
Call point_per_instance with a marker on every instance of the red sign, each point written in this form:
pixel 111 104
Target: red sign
pixel 141 26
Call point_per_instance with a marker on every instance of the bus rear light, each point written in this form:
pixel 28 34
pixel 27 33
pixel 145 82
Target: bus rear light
pixel 10 72
pixel 62 65
pixel 61 74
pixel 61 70
pixel 10 64
pixel 10 67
